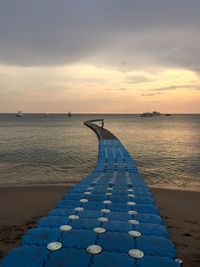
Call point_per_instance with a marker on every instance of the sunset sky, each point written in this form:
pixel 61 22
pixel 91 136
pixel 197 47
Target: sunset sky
pixel 109 56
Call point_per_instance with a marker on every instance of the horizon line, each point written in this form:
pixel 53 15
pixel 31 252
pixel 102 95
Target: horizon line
pixel 96 113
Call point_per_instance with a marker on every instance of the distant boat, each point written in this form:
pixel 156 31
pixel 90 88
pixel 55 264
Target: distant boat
pixel 19 114
pixel 150 114
pixel 69 114
pixel 167 115
pixel 155 113
pixel 146 114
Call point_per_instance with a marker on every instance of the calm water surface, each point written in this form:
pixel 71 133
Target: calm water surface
pixel 40 149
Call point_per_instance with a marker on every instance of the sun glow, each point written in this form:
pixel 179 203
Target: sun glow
pixel 90 88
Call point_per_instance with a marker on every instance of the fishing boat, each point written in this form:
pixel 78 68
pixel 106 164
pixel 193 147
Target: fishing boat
pixel 69 114
pixel 19 114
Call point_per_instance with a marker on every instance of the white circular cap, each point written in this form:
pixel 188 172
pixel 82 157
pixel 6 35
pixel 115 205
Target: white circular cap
pixel 130 190
pixel 99 230
pixel 102 219
pixel 133 221
pixel 107 202
pixel 65 228
pixel 136 253
pixel 131 203
pixel 54 245
pixel 83 200
pixel 87 193
pixel 110 188
pixel 131 195
pixel 73 217
pixel 179 261
pixel 105 211
pixel 90 188
pixel 79 209
pixel 134 233
pixel 108 194
pixel 94 249
pixel 132 212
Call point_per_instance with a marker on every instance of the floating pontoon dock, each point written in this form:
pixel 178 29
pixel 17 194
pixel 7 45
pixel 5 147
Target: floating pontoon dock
pixel 109 219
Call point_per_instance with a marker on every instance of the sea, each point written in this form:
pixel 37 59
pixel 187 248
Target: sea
pixel 57 149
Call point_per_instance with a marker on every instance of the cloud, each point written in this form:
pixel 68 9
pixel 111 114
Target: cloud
pixel 153 94
pixel 172 51
pixel 125 34
pixel 116 89
pixel 138 79
pixel 176 87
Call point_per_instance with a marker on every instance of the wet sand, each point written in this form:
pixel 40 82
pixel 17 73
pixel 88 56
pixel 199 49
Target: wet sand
pixel 180 211
pixel 21 207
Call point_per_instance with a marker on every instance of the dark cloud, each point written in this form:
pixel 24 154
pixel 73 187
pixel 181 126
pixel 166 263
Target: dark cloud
pixel 175 87
pixel 114 32
pixel 153 94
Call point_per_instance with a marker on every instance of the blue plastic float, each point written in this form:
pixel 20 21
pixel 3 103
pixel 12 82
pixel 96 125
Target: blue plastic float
pixel 109 219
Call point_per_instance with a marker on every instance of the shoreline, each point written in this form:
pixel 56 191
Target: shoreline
pixel 70 184
pixel 176 188
pixel 22 206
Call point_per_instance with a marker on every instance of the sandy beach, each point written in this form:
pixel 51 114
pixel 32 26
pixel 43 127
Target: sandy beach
pixel 21 207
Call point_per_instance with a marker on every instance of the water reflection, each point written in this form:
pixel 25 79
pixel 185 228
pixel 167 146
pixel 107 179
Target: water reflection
pixel 56 149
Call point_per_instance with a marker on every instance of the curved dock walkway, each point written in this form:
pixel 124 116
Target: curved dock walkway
pixel 109 219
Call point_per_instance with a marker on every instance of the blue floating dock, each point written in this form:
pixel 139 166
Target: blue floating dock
pixel 109 219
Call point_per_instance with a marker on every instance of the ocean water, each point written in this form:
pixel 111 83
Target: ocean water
pixel 55 149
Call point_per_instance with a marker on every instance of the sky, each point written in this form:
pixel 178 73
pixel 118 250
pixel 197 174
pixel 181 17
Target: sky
pixel 100 56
